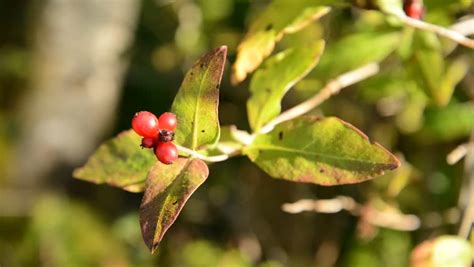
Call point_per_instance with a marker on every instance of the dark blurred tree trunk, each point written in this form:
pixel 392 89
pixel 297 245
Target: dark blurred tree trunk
pixel 78 64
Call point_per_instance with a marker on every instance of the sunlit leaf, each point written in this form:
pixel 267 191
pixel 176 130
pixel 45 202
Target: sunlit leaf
pixel 278 74
pixel 355 51
pixel 119 162
pixel 443 251
pixel 391 6
pixel 168 188
pixel 197 101
pixel 280 17
pixel 323 151
pixel 454 73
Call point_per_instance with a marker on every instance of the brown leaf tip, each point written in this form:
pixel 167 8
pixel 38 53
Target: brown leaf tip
pixel 222 49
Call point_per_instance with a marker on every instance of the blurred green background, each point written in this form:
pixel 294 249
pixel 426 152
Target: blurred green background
pixel 73 73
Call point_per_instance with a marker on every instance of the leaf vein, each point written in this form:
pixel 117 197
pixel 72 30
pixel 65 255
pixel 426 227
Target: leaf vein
pixel 311 153
pixel 196 109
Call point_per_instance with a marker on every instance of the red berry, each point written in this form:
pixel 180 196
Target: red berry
pixel 145 124
pixel 414 9
pixel 167 121
pixel 166 152
pixel 148 142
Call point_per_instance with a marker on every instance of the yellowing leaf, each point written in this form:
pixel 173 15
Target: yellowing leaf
pixel 279 73
pixel 324 151
pixel 280 17
pixel 168 188
pixel 196 104
pixel 119 162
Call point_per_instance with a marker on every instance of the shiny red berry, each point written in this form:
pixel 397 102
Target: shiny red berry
pixel 166 152
pixel 414 9
pixel 145 124
pixel 167 121
pixel 148 142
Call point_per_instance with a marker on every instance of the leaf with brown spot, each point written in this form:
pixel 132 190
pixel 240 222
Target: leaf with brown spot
pixel 281 17
pixel 168 188
pixel 119 162
pixel 324 151
pixel 197 101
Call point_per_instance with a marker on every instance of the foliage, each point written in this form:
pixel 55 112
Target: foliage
pixel 324 151
pixel 411 113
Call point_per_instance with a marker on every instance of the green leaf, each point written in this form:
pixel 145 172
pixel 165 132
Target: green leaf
pixel 437 78
pixel 324 151
pixel 279 73
pixel 196 104
pixel 455 72
pixel 410 118
pixel 355 51
pixel 429 65
pixel 448 123
pixel 119 162
pixel 280 17
pixel 168 188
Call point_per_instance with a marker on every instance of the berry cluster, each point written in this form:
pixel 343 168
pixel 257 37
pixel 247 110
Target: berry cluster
pixel 157 133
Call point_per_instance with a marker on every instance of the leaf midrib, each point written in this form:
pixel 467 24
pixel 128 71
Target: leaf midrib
pixel 310 153
pixel 159 222
pixel 283 89
pixel 196 108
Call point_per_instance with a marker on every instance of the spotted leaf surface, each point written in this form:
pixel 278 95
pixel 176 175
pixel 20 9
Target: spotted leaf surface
pixel 324 151
pixel 197 101
pixel 119 162
pixel 168 188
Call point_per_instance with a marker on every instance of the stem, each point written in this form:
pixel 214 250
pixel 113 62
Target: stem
pixel 465 27
pixel 388 218
pixel 442 31
pixel 333 205
pixel 331 88
pixel 198 155
pixel 457 154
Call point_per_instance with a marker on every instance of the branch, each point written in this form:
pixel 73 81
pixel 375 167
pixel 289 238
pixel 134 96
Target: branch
pixel 323 205
pixel 457 154
pixel 465 27
pixel 198 155
pixel 442 31
pixel 389 218
pixel 331 88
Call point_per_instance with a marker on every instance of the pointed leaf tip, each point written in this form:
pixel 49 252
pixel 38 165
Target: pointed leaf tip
pixel 168 188
pixel 281 17
pixel 197 101
pixel 323 151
